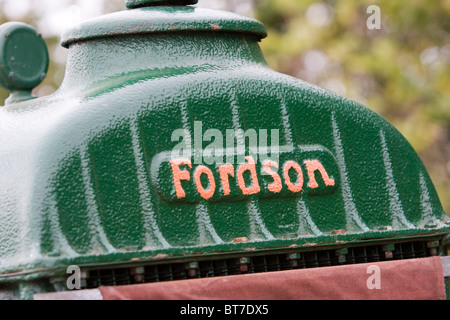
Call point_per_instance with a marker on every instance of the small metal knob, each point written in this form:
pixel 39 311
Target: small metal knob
pixel 24 60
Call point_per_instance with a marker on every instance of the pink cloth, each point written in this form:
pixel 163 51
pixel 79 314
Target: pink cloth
pixel 415 279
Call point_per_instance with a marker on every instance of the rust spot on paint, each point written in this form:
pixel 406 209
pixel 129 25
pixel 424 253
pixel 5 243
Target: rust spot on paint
pixel 310 244
pixel 215 27
pixel 159 256
pixel 342 231
pixel 240 240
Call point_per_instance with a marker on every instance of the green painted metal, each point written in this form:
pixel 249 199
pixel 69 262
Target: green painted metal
pixel 141 3
pixel 162 19
pixel 86 174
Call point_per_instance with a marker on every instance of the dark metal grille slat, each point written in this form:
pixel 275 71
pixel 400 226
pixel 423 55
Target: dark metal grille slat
pixel 151 274
pixel 220 268
pixel 258 264
pixel 311 260
pixel 351 259
pixel 420 249
pixel 398 254
pixel 285 264
pixel 121 277
pixel 324 259
pixel 233 267
pixel 273 263
pixel 360 255
pixel 165 272
pixel 207 269
pixel 178 272
pixel 373 254
pixel 107 278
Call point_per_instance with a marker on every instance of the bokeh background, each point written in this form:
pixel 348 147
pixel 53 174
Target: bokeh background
pixel 401 71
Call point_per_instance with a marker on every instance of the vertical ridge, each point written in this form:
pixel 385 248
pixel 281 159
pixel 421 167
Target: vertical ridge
pixel 91 202
pixel 58 238
pixel 203 219
pixel 427 211
pixel 287 124
pixel 256 222
pixel 205 225
pixel 306 225
pixel 352 216
pixel 150 223
pixel 395 205
pixel 257 226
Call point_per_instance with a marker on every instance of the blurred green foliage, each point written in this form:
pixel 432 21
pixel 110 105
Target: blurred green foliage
pixel 401 70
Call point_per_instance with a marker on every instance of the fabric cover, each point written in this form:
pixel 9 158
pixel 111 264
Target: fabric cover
pixel 412 279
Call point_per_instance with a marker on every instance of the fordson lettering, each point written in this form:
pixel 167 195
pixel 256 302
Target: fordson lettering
pixel 303 171
pixel 227 171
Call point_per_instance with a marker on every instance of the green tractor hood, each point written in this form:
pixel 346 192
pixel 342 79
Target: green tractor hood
pixel 172 143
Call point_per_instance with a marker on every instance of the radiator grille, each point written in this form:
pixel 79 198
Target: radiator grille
pixel 258 264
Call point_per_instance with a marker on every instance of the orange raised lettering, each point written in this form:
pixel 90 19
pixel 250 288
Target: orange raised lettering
pixel 277 185
pixel 179 175
pixel 311 167
pixel 225 171
pixel 250 166
pixel 299 185
pixel 205 193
